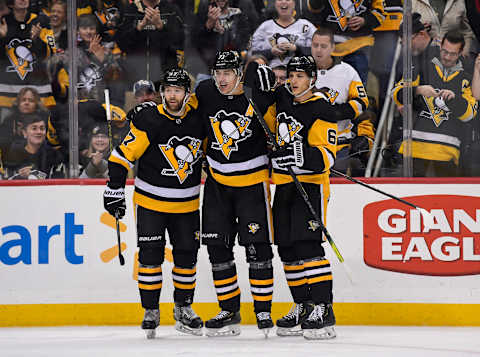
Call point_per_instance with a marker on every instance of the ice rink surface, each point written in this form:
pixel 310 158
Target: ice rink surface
pixel 355 341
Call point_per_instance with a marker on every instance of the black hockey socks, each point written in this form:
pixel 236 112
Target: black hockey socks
pixel 150 284
pixel 261 285
pixel 184 281
pixel 226 286
pixel 319 278
pixel 297 281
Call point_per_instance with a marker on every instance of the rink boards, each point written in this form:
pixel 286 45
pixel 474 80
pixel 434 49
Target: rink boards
pixel 58 262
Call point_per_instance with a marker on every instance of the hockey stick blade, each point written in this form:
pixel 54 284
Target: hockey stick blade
pixel 427 216
pixel 298 185
pixel 120 256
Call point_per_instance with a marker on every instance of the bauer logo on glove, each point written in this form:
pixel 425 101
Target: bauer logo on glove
pixel 289 155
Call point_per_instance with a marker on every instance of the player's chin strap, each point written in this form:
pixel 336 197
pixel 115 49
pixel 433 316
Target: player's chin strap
pixel 289 89
pixel 184 103
pixel 238 72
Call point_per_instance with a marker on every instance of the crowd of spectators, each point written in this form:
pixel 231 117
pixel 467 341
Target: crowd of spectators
pixel 125 46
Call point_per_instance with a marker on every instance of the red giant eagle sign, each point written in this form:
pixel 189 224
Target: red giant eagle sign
pixel 395 238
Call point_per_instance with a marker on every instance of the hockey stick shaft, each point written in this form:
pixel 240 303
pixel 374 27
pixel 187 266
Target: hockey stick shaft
pixel 297 183
pixel 120 256
pixel 338 173
pixel 109 117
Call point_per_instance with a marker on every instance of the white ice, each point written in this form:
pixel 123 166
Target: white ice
pixel 355 341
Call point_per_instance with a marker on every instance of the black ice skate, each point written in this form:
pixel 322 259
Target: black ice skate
pixel 187 321
pixel 264 322
pixel 290 324
pixel 150 322
pixel 226 323
pixel 319 324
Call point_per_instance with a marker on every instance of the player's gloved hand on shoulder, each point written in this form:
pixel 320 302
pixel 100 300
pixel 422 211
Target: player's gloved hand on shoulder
pixel 138 108
pixel 289 155
pixel 114 201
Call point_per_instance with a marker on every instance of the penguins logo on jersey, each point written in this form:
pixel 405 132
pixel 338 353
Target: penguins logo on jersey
pixel 20 56
pixel 287 129
pixel 253 227
pixel 89 77
pixel 313 225
pixel 437 110
pixel 229 130
pixel 329 94
pixel 343 10
pixel 181 155
pixel 278 39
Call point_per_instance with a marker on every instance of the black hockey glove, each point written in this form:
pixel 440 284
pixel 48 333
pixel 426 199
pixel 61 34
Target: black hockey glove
pixel 290 155
pixel 114 201
pixel 266 78
pixel 359 147
pixel 260 76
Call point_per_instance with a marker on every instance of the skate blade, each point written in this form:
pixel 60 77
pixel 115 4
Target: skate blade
pixel 150 333
pixel 285 331
pixel 326 333
pixel 226 331
pixel 188 330
pixel 266 331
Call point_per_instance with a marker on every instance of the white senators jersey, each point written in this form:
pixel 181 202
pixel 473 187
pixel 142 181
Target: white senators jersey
pixel 345 87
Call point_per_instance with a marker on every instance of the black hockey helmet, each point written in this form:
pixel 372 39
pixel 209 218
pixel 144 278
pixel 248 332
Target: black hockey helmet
pixel 177 77
pixel 302 64
pixel 227 60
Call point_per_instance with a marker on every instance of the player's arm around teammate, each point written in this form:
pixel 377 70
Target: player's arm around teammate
pixel 166 140
pixel 305 128
pixel 236 196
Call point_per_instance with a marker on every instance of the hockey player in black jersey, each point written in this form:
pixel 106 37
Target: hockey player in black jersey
pixel 236 196
pixel 166 140
pixel 304 124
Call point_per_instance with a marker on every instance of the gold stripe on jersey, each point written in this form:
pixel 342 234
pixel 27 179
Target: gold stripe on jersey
pixel 228 296
pixel 442 76
pixel 134 144
pixel 399 86
pixel 147 270
pixel 320 179
pixel 183 278
pixel 240 180
pixel 357 97
pixel 166 206
pixel 233 279
pixel 365 128
pixel 150 287
pixel 261 282
pixel 317 271
pixel 472 106
pixel 350 46
pixel 433 151
pixel 184 271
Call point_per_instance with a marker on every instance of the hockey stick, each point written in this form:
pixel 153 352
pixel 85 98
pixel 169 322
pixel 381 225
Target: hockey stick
pixel 298 185
pixel 427 217
pixel 109 117
pixel 120 256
